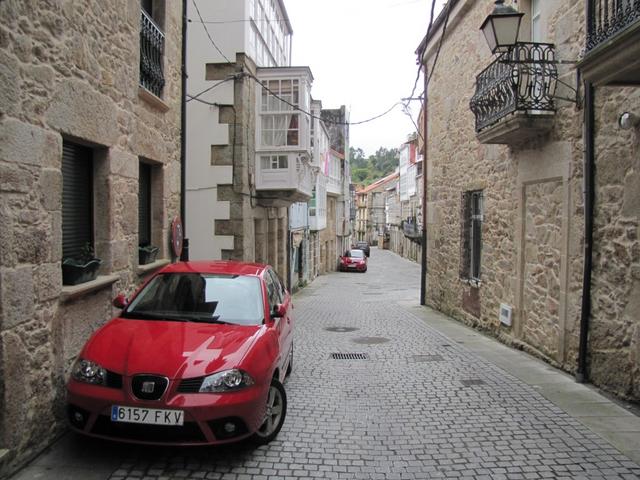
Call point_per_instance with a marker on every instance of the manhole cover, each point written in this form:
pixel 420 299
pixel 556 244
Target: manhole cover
pixel 469 383
pixel 427 358
pixel 370 340
pixel 341 329
pixel 349 356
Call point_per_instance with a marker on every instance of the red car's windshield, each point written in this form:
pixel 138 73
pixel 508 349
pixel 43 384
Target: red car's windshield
pixel 354 254
pixel 202 297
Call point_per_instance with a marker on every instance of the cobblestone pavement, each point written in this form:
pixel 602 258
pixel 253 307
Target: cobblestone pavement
pixel 418 406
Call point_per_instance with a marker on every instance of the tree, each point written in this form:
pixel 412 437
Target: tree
pixel 365 171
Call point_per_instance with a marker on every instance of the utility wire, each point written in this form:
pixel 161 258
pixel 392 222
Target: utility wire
pixel 444 31
pixel 207 32
pixel 195 97
pixel 254 78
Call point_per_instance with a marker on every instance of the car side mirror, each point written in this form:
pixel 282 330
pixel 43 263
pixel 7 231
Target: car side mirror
pixel 278 311
pixel 120 301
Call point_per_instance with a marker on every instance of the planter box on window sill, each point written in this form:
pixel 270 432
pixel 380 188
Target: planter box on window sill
pixel 75 273
pixel 147 254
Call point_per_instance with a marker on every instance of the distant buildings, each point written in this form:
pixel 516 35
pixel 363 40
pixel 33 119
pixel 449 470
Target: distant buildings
pixel 256 156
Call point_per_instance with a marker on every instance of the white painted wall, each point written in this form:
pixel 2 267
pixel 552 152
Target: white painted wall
pixel 231 36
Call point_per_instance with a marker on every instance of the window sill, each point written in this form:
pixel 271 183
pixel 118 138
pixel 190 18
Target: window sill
pixel 152 100
pixel 150 267
pixel 72 292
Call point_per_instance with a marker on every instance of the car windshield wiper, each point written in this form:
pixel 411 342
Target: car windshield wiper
pixel 177 317
pixel 150 316
pixel 203 318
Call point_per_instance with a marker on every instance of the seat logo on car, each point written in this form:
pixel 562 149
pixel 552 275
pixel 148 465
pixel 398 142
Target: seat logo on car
pixel 147 387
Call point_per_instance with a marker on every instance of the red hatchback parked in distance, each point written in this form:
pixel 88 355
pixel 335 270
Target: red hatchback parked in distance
pixel 197 356
pixel 353 260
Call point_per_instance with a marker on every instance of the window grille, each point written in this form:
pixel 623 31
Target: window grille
pixel 471 215
pixel 151 54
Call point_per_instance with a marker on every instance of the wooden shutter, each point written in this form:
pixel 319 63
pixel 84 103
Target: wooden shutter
pixel 77 199
pixel 144 205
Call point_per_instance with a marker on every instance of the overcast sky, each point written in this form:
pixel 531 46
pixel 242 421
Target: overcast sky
pixel 362 55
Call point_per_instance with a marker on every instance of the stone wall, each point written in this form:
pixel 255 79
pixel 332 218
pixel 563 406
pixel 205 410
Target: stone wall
pixel 533 226
pixel 72 73
pixel 614 344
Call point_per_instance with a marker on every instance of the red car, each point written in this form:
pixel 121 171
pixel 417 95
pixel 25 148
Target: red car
pixel 197 356
pixel 353 259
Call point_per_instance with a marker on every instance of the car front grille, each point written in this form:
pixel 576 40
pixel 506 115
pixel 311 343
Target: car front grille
pixel 190 385
pixel 188 433
pixel 149 387
pixel 113 380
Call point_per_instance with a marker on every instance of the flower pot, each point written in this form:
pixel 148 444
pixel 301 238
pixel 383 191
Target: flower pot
pixel 147 254
pixel 75 272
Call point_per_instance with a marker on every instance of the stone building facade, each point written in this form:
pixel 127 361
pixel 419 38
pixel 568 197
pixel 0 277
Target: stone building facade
pixel 505 207
pixel 72 82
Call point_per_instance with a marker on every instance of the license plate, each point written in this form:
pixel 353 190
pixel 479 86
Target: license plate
pixel 151 416
pixel 352 265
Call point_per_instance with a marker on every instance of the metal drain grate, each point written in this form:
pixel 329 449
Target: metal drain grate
pixel 349 356
pixel 469 383
pixel 341 329
pixel 427 358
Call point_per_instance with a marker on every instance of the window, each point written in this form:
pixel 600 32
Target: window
pixel 536 27
pixel 274 162
pixel 471 235
pixel 152 46
pixel 144 205
pixel 279 126
pixel 77 199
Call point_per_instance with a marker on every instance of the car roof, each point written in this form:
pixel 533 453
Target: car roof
pixel 216 266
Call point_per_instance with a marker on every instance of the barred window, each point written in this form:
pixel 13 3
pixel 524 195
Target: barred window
pixel 471 217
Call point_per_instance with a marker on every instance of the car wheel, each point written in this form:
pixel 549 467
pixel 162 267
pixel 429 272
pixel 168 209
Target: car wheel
pixel 290 366
pixel 276 411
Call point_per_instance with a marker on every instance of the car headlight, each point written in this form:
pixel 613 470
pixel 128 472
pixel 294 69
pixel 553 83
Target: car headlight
pixel 226 381
pixel 88 372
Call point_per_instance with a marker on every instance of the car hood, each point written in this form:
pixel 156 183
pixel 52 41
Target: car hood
pixel 172 349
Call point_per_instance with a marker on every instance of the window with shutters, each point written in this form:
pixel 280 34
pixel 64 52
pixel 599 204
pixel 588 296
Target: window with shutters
pixel 144 205
pixel 77 199
pixel 471 216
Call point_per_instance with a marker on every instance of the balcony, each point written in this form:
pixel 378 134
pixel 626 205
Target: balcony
pixel 151 55
pixel 612 53
pixel 283 179
pixel 412 230
pixel 514 94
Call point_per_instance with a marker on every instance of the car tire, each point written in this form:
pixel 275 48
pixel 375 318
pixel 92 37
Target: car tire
pixel 276 411
pixel 290 366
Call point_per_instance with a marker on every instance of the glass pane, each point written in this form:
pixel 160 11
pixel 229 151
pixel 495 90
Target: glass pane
pixel 200 297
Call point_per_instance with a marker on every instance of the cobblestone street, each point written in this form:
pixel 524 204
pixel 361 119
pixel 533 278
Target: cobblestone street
pixel 401 401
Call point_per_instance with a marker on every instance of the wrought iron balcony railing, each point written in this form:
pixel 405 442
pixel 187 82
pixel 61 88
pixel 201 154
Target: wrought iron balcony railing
pixel 522 79
pixel 151 53
pixel 609 18
pixel 412 230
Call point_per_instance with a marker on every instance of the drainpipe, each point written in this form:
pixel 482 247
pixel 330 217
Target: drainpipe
pixel 183 133
pixel 423 260
pixel 589 200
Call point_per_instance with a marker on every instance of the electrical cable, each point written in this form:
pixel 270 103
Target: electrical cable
pixel 195 97
pixel 444 30
pixel 208 34
pixel 295 107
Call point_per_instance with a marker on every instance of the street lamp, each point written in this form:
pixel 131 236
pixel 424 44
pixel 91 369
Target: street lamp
pixel 501 27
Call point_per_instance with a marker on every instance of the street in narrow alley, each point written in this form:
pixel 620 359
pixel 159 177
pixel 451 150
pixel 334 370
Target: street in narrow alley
pixel 378 391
